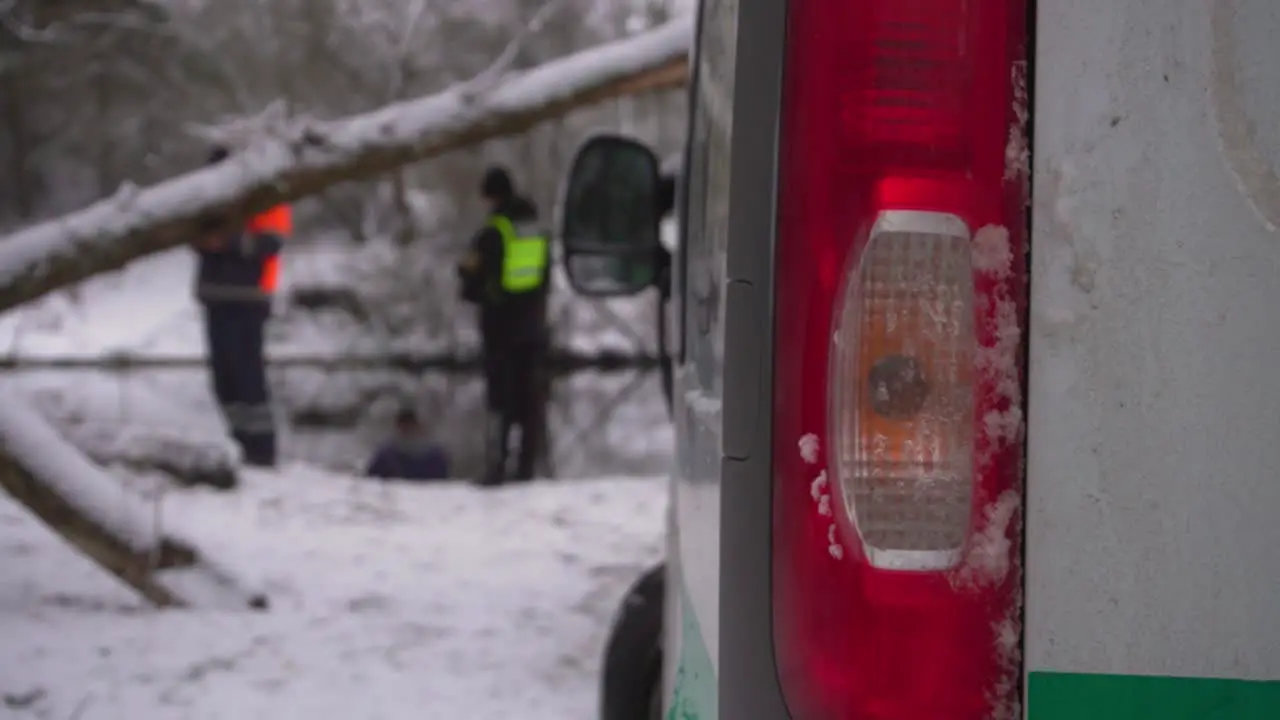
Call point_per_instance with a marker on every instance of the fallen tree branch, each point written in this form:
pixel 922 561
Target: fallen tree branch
pixel 92 512
pixel 308 156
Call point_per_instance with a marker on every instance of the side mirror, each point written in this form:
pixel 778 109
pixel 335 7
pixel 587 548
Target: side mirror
pixel 609 220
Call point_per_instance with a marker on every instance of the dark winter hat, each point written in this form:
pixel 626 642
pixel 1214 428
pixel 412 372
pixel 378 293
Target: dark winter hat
pixel 217 154
pixel 406 416
pixel 497 183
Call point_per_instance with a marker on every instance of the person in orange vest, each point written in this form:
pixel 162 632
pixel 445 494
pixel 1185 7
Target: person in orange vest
pixel 239 272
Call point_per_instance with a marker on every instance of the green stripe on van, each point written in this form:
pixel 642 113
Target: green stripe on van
pixel 696 688
pixel 1078 696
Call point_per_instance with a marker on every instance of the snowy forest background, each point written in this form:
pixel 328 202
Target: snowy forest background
pixel 143 572
pixel 98 93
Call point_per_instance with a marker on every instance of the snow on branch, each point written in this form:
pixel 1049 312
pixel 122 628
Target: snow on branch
pixel 97 515
pixel 305 156
pixel 31 442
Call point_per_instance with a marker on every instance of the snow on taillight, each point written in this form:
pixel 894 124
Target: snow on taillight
pixel 899 293
pixel 902 391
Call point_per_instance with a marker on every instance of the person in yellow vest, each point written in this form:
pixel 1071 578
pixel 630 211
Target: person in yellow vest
pixel 506 274
pixel 237 277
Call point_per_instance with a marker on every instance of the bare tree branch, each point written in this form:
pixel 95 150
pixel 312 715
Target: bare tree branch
pixel 489 76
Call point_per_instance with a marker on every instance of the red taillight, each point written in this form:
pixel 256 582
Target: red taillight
pixel 900 293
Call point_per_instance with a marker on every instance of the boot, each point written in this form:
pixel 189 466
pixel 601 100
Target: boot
pixel 495 451
pixel 257 450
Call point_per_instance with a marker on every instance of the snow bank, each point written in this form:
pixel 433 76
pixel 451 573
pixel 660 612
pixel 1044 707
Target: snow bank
pixel 186 458
pixel 140 423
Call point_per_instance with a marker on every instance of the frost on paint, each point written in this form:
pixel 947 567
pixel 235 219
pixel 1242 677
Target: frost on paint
pixel 303 156
pixel 1007 633
pixel 809 448
pixel 991 251
pixel 833 542
pixel 987 561
pixel 818 487
pixel 1017 153
pixel 997 360
pixel 824 505
pixel 1003 426
pixel 820 491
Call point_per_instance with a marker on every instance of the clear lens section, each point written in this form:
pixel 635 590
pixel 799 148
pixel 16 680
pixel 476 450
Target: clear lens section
pixel 902 406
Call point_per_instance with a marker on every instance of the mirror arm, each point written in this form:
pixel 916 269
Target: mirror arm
pixel 662 271
pixel 662 281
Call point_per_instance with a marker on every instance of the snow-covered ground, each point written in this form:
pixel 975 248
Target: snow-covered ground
pixel 389 601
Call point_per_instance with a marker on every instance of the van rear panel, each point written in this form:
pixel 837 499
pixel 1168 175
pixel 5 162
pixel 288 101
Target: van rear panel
pixel 1154 404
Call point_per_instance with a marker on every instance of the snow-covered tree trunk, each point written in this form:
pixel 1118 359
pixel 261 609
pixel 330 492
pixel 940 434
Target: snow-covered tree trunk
pixel 300 157
pixel 95 514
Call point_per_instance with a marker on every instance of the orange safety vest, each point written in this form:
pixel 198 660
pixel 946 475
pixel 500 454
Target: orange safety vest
pixel 276 221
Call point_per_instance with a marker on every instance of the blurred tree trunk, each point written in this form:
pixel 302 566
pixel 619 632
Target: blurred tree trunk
pixel 20 182
pixel 406 224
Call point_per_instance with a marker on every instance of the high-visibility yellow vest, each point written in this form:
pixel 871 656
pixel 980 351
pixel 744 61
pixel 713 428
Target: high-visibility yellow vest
pixel 524 256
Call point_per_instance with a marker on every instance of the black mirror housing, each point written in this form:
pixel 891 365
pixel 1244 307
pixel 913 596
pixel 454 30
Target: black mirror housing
pixel 614 200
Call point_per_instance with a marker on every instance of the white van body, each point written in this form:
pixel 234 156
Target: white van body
pixel 1152 477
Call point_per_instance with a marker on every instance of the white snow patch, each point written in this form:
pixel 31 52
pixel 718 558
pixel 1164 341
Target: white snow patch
pixel 1017 153
pixel 1008 638
pixel 988 560
pixel 999 360
pixel 1003 427
pixel 1007 633
pixel 390 601
pixel 833 543
pixel 809 447
pixel 818 487
pixel 820 490
pixel 824 506
pixel 992 252
pixel 703 403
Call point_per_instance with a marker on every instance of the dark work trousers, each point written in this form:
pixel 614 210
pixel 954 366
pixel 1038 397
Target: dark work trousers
pixel 236 333
pixel 514 390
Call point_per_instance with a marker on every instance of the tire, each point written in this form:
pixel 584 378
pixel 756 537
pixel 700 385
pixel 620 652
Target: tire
pixel 631 688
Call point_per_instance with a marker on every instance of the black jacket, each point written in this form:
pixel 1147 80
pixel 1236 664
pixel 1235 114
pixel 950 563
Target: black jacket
pixel 505 318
